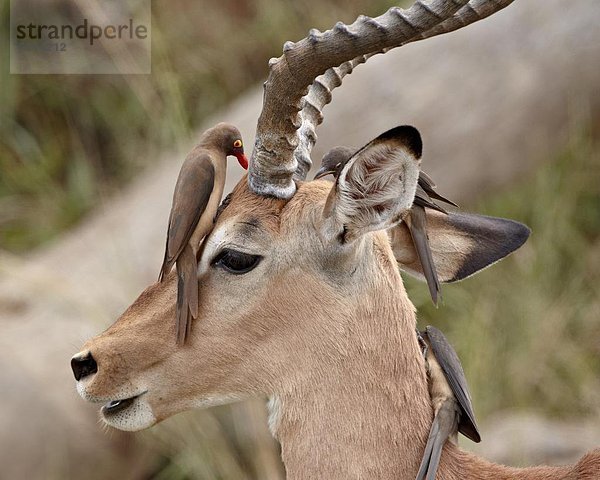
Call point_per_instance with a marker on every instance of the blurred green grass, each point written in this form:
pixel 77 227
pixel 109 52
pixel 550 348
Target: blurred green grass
pixel 67 141
pixel 527 329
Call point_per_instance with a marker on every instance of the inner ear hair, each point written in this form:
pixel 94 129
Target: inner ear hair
pixel 377 186
pixel 375 190
pixel 461 243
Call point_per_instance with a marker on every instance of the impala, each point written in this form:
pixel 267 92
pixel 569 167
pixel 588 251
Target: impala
pixel 300 296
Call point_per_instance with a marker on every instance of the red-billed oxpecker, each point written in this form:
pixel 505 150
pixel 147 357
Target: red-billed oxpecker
pixel 333 162
pixel 450 398
pixel 196 198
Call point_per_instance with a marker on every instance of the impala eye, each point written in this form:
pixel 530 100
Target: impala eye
pixel 236 262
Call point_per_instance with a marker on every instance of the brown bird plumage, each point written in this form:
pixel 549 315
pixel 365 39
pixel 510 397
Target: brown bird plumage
pixel 451 401
pixel 196 198
pixel 332 164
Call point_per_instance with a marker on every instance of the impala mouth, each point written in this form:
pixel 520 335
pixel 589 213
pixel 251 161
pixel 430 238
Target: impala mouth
pixel 116 406
pixel 126 413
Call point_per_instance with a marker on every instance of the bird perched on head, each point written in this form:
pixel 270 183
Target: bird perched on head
pixel 196 198
pixel 450 398
pixel 332 164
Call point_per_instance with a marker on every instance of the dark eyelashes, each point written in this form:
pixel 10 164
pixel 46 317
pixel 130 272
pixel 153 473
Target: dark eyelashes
pixel 236 262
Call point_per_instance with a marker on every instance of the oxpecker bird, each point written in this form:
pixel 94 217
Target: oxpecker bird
pixel 450 398
pixel 196 198
pixel 332 164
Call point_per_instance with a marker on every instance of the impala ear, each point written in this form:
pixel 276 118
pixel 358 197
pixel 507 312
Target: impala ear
pixel 461 243
pixel 376 187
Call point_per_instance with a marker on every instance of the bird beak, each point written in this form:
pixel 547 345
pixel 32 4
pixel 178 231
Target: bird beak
pixel 323 171
pixel 243 160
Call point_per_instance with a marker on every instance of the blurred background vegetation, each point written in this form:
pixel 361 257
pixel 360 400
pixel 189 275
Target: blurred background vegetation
pixel 67 142
pixel 538 308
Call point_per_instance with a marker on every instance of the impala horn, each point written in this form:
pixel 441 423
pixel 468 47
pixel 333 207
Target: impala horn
pixel 300 82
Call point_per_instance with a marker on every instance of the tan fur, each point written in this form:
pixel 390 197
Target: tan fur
pixel 325 330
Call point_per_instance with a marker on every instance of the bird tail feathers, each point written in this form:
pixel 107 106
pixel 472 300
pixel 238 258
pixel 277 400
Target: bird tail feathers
pixel 187 293
pixel 444 424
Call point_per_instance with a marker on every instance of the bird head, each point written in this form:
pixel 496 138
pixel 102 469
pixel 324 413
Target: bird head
pixel 237 150
pixel 232 142
pixel 333 161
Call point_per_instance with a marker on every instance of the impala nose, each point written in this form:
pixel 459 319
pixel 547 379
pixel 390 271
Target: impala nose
pixel 83 364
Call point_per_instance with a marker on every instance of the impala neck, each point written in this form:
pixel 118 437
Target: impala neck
pixel 366 414
pixel 365 411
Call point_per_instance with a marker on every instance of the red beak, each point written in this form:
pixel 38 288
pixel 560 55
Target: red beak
pixel 243 160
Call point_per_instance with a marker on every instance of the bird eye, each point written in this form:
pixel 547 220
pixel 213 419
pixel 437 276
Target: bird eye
pixel 237 143
pixel 236 262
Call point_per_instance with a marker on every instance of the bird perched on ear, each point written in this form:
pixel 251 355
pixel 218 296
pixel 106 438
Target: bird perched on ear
pixel 196 199
pixel 450 398
pixel 332 164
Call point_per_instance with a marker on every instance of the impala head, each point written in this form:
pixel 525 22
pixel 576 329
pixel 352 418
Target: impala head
pixel 291 270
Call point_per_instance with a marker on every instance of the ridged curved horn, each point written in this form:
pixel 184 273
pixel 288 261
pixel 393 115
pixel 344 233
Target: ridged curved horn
pixel 273 163
pixel 320 92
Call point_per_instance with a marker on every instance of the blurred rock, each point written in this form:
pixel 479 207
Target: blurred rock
pixel 491 101
pixel 526 438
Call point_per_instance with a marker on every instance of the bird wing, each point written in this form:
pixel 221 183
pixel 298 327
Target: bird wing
pixel 450 364
pixel 422 199
pixel 426 181
pixel 418 231
pixel 428 185
pixel 194 186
